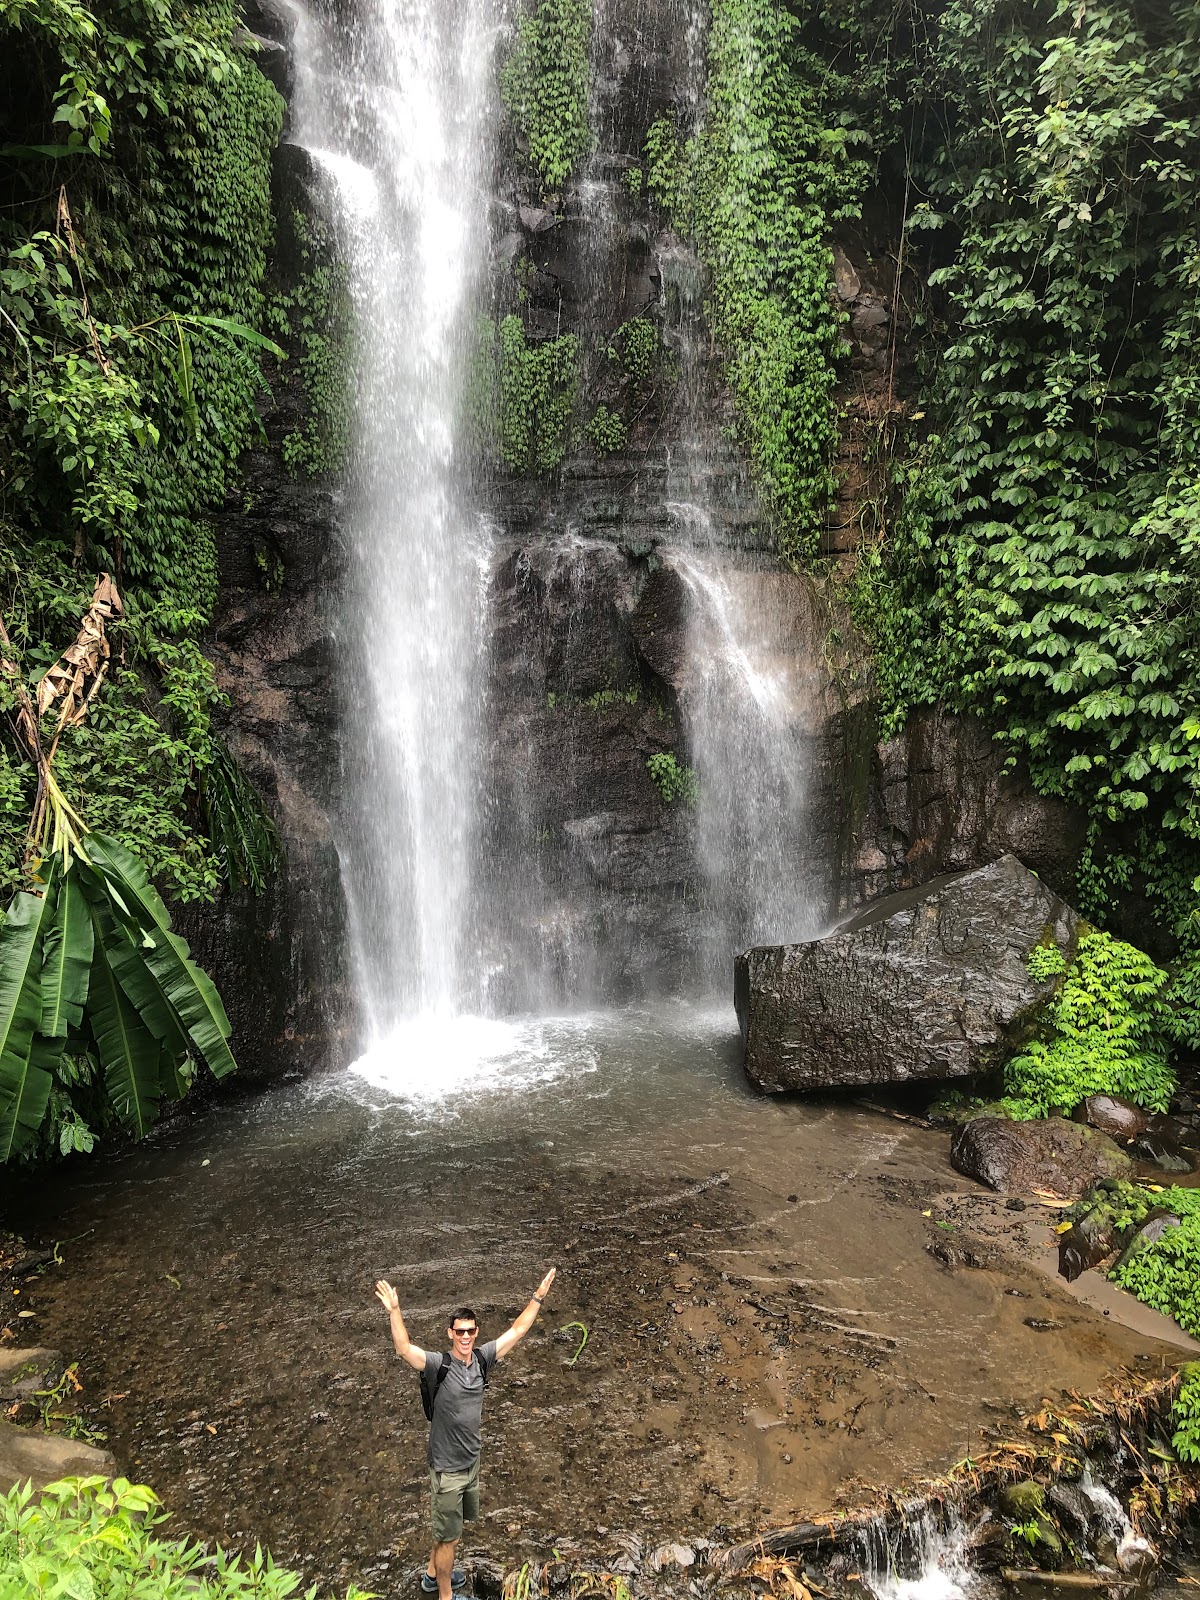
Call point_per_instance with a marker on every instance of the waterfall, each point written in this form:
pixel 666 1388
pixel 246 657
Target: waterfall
pixel 927 1557
pixel 391 99
pixel 465 899
pixel 752 715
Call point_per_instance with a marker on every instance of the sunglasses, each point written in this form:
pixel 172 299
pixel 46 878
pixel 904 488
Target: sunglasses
pixel 464 1333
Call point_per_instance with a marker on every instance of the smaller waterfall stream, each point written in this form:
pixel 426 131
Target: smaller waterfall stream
pixel 925 1559
pixel 749 716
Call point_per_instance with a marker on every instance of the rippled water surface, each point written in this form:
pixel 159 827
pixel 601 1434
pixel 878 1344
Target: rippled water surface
pixel 766 1327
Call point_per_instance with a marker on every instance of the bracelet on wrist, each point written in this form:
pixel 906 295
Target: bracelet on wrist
pixel 540 1298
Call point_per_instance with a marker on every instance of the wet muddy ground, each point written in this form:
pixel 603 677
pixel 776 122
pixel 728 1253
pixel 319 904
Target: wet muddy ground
pixel 768 1328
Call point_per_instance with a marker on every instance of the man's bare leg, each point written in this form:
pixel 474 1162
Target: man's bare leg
pixel 441 1559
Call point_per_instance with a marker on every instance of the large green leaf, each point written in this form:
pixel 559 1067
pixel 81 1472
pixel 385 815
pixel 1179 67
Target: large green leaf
pixel 24 1081
pixel 66 958
pixel 22 1113
pixel 128 1051
pixel 125 951
pixel 189 990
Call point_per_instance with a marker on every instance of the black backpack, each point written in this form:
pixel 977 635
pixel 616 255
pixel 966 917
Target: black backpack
pixel 430 1384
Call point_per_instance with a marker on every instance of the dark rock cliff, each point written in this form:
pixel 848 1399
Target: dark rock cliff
pixel 592 639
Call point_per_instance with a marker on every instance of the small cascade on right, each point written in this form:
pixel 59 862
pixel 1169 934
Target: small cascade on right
pixel 926 1557
pixel 752 703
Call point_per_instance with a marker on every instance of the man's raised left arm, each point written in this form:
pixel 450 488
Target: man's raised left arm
pixel 526 1320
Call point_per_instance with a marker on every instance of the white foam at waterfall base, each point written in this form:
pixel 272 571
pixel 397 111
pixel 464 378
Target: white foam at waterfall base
pixel 937 1565
pixel 429 1059
pixel 433 1060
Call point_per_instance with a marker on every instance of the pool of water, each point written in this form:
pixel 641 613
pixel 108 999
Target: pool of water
pixel 766 1330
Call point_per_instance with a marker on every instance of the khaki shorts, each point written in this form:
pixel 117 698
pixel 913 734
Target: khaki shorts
pixel 455 1499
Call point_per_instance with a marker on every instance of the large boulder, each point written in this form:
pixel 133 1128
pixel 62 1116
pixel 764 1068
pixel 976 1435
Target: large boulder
pixel 1060 1157
pixel 931 983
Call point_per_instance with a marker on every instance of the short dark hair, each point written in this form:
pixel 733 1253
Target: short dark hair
pixel 461 1315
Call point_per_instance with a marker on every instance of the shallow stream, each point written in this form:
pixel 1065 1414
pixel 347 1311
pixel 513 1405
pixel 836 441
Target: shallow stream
pixel 767 1331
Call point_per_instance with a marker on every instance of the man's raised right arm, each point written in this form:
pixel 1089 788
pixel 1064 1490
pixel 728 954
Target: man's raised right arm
pixel 405 1349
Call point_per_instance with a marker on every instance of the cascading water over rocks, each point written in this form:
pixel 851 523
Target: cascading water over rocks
pixel 505 846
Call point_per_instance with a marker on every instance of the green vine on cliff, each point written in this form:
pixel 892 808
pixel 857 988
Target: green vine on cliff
pixel 521 395
pixel 314 318
pixel 544 85
pixel 759 189
pixel 135 142
pixel 1043 569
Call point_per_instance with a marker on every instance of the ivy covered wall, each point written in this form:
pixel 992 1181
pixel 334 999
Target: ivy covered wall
pixel 134 170
pixel 135 224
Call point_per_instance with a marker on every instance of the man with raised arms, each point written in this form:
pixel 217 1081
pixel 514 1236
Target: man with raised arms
pixel 456 1382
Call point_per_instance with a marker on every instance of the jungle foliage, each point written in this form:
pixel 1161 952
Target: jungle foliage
pixel 1041 564
pixel 758 188
pixel 1103 1032
pixel 1037 559
pixel 87 1537
pixel 522 395
pixel 135 138
pixel 544 84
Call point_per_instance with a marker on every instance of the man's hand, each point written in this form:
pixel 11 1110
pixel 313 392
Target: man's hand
pixel 405 1349
pixel 514 1335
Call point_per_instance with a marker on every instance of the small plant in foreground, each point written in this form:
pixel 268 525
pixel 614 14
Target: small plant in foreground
pixel 1186 1414
pixel 86 1537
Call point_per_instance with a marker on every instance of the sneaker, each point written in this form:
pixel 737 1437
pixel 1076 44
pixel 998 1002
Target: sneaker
pixel 458 1579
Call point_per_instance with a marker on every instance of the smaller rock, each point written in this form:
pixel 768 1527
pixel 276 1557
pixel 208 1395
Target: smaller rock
pixel 1015 1204
pixel 1136 1557
pixel 24 1372
pixel 1118 1118
pixel 667 1555
pixel 1021 1500
pixel 1042 1324
pixel 1062 1157
pixel 1085 1245
pixel 1161 1151
pixel 45 1457
pixel 867 316
pixel 557 1576
pixel 845 280
pixel 1073 1506
pixel 536 219
pixel 1150 1232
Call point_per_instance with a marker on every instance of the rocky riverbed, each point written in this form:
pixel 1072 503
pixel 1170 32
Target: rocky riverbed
pixel 785 1300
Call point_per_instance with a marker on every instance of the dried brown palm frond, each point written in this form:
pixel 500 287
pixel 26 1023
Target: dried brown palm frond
pixel 74 679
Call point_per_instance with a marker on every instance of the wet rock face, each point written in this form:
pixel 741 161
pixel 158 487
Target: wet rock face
pixel 927 984
pixel 592 880
pixel 1062 1157
pixel 938 798
pixel 277 957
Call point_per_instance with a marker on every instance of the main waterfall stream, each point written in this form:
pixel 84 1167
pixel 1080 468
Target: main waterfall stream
pixel 390 104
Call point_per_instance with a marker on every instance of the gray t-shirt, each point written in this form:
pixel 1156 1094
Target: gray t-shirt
pixel 454 1440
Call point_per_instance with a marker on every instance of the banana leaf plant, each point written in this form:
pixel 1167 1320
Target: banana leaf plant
pixel 88 960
